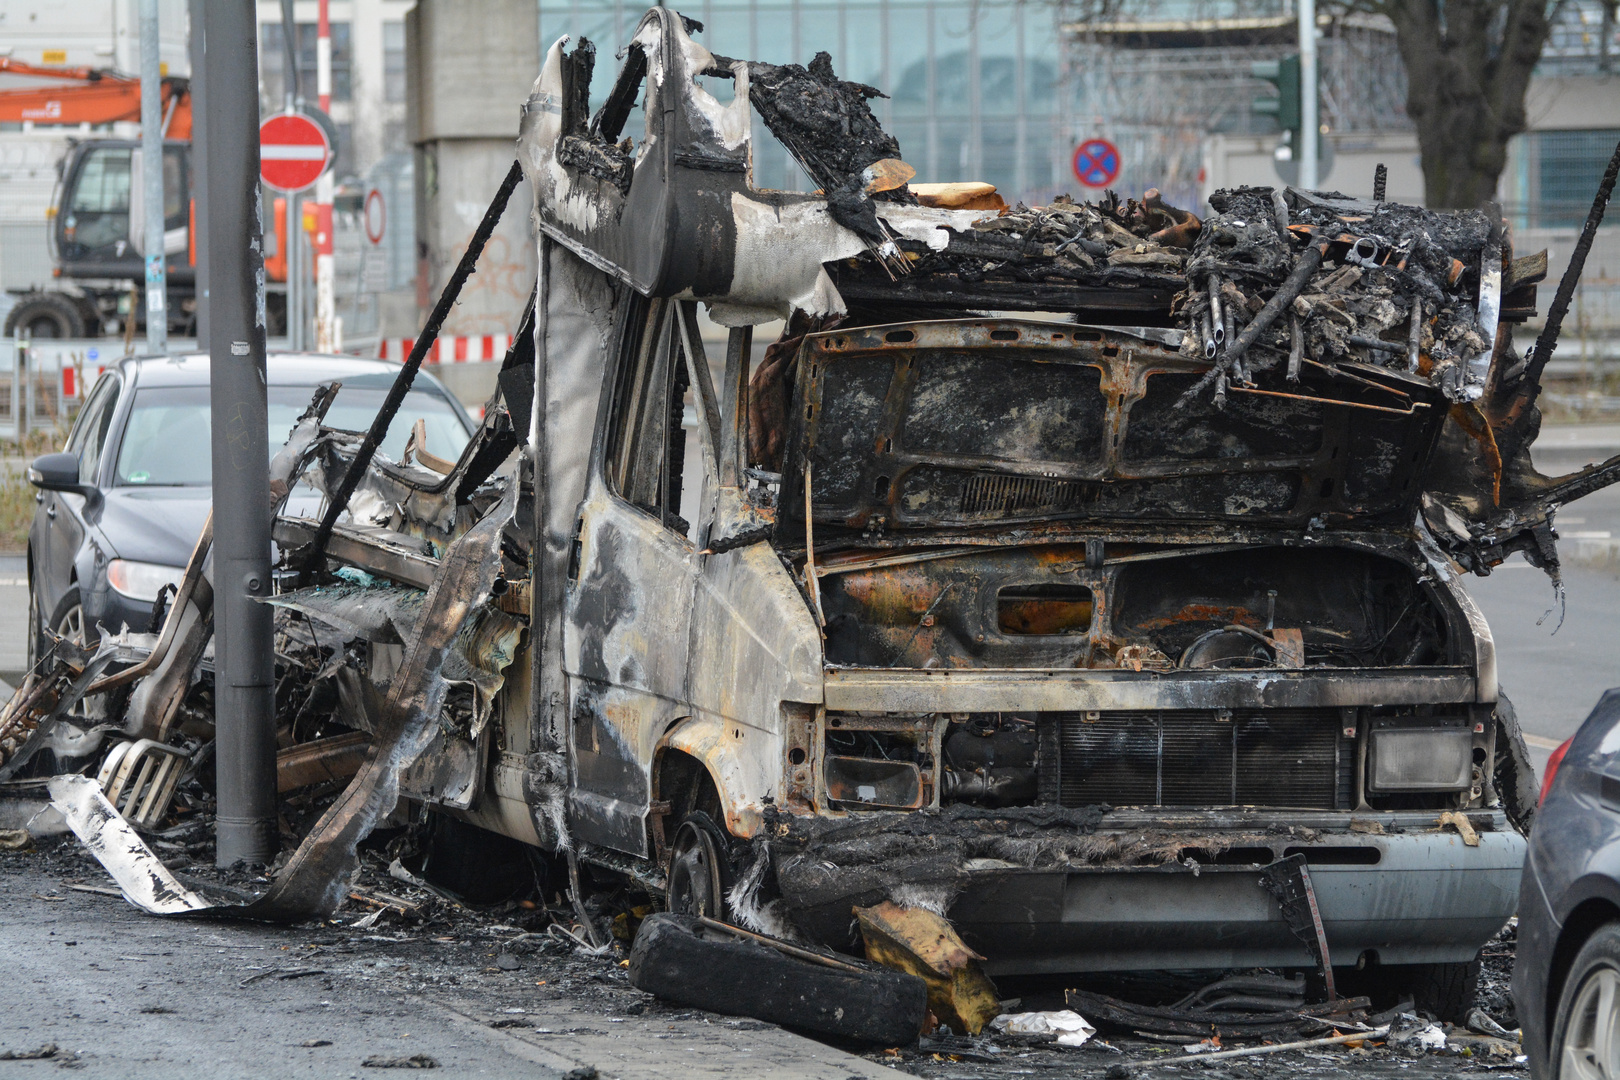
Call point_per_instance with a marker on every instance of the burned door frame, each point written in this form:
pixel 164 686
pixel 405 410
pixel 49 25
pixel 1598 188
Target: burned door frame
pixel 633 573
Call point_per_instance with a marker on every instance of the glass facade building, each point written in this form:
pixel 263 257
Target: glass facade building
pixel 973 87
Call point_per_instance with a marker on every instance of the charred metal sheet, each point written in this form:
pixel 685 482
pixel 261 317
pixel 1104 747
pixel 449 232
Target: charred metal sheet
pixel 385 615
pixel 42 712
pixel 989 690
pixel 145 881
pixel 1289 880
pixel 377 550
pixel 337 757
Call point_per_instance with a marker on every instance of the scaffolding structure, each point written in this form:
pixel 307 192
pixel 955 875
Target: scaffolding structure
pixel 1157 87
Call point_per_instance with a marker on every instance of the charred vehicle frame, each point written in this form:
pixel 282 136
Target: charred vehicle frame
pixel 1090 574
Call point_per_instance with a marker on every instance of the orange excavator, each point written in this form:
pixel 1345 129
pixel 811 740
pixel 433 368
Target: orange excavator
pixel 95 229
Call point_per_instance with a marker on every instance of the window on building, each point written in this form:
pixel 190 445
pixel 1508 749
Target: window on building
pixel 393 61
pixel 1568 165
pixel 272 65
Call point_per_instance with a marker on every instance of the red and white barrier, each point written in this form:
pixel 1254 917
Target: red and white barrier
pixel 449 350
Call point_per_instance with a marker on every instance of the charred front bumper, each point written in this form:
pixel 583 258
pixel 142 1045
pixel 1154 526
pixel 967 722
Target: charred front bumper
pixel 1053 890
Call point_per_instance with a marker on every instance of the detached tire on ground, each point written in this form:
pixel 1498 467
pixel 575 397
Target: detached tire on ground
pixel 678 960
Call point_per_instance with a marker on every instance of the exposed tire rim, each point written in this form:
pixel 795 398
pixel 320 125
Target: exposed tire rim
pixel 1591 1043
pixel 34 624
pixel 71 624
pixel 696 882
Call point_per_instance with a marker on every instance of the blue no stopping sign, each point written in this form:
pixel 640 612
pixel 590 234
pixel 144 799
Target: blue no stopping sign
pixel 1096 163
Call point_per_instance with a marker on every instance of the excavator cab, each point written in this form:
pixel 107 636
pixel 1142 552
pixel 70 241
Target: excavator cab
pixel 97 232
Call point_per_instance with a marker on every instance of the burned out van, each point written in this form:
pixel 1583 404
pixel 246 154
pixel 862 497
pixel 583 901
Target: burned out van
pixel 973 588
pixel 1088 573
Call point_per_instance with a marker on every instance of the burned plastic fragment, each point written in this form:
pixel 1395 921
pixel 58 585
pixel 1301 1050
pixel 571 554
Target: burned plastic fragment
pixel 826 124
pixel 922 943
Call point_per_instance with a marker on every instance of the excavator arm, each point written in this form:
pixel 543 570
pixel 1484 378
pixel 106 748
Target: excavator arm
pixel 93 96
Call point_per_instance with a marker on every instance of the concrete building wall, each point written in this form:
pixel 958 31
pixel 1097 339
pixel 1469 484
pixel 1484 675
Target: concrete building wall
pixel 467 81
pixel 1233 160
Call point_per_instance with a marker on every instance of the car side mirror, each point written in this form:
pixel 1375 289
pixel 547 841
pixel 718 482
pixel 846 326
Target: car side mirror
pixel 60 472
pixel 57 472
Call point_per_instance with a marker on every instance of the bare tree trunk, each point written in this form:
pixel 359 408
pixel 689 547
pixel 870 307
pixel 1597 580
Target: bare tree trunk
pixel 1468 66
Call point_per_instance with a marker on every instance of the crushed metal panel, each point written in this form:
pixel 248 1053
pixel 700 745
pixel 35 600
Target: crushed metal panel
pixel 692 155
pixel 748 616
pixel 145 881
pixel 625 651
pixel 314 878
pixel 672 212
pixel 576 331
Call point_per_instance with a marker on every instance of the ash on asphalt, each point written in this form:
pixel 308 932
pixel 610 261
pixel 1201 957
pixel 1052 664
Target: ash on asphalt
pixel 510 967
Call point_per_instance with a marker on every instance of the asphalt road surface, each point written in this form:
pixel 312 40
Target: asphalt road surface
pixel 115 994
pixel 119 995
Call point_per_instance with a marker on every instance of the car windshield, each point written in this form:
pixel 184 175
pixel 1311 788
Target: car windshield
pixel 166 443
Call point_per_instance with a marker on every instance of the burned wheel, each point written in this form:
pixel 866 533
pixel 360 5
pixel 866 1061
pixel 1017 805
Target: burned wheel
pixel 1586 1038
pixel 682 961
pixel 699 868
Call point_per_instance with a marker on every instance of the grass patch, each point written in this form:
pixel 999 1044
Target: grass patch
pixel 17 503
pixel 17 508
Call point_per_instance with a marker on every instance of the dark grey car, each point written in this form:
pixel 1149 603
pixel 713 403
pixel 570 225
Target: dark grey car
pixel 122 507
pixel 1566 981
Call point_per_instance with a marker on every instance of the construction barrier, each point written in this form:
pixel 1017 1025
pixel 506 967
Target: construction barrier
pixel 449 350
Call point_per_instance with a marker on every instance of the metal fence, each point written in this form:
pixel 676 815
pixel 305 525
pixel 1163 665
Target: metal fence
pixel 43 383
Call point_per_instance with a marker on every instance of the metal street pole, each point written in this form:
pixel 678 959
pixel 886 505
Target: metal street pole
pixel 325 309
pixel 244 705
pixel 1310 125
pixel 295 280
pixel 157 319
pixel 199 167
pixel 292 96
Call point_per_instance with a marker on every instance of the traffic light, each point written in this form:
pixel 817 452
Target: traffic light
pixel 1284 75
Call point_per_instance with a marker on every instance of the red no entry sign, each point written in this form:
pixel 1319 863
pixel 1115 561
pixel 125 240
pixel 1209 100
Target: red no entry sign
pixel 293 152
pixel 1096 163
pixel 376 216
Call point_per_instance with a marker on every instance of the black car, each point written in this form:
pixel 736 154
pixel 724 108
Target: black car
pixel 1566 981
pixel 121 509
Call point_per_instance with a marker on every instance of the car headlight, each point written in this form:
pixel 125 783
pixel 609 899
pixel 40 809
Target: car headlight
pixel 142 580
pixel 1421 759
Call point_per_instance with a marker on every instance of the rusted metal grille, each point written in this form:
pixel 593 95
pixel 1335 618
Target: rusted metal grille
pixel 990 495
pixel 1259 757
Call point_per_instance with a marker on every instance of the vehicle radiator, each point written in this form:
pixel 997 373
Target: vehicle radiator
pixel 1241 757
